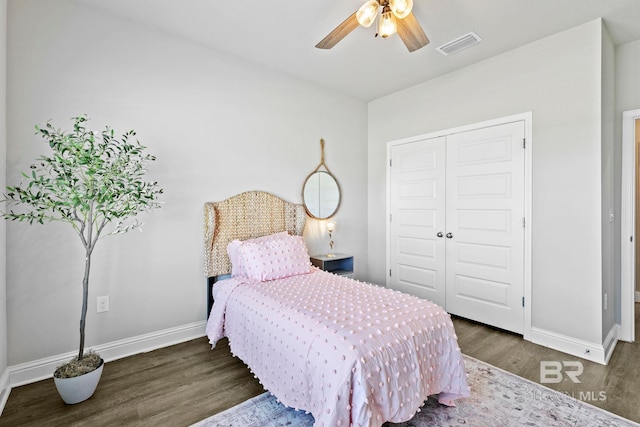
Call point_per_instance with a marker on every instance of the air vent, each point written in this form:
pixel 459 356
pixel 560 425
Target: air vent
pixel 458 44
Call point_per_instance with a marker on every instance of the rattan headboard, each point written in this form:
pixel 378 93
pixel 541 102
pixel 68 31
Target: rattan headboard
pixel 245 216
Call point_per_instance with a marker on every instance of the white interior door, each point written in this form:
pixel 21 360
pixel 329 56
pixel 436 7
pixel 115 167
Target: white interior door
pixel 417 208
pixel 485 225
pixel 629 234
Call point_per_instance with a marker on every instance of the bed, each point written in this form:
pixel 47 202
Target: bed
pixel 348 352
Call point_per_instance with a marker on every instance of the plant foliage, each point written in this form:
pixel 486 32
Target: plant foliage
pixel 90 180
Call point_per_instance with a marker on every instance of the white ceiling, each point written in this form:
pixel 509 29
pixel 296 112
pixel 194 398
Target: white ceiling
pixel 282 34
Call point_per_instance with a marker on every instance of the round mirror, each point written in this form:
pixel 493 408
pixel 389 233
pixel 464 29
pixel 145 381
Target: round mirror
pixel 321 195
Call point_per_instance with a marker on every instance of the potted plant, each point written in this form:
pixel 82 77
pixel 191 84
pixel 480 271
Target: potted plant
pixel 96 183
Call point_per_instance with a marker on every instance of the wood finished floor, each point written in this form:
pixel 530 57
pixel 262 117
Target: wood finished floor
pixel 185 383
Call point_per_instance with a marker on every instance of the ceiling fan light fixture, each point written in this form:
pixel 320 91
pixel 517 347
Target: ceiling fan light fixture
pixel 390 22
pixel 401 8
pixel 367 13
pixel 387 24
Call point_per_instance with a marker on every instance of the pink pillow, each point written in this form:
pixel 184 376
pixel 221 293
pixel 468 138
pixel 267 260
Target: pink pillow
pixel 275 258
pixel 237 262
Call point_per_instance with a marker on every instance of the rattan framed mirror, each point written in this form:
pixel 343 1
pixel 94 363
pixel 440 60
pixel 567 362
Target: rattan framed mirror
pixel 321 195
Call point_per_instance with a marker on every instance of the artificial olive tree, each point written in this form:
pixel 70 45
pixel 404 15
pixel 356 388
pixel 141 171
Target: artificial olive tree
pixel 93 181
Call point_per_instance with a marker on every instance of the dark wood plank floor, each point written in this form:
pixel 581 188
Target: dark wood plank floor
pixel 613 387
pixel 182 384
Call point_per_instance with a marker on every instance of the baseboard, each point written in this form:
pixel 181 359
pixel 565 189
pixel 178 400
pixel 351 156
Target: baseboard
pixel 5 389
pixel 26 373
pixel 610 342
pixel 573 346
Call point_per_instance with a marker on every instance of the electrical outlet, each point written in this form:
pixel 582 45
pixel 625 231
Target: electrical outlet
pixel 604 302
pixel 103 304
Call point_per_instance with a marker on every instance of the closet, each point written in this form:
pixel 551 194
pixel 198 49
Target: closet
pixel 457 222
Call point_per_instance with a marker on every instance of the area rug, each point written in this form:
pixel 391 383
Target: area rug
pixel 498 399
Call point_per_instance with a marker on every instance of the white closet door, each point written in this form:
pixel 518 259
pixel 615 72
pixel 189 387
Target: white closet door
pixel 417 207
pixel 485 211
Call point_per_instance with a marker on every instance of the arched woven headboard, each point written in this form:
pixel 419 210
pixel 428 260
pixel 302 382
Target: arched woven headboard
pixel 245 216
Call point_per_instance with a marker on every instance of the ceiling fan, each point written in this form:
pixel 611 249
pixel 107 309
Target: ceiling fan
pixel 395 17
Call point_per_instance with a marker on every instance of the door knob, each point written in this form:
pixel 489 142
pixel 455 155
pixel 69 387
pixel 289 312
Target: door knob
pixel 449 235
pixel 439 234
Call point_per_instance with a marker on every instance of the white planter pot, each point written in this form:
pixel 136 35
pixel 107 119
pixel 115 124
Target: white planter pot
pixel 78 389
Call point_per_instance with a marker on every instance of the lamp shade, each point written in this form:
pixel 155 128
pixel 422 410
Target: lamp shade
pixel 367 13
pixel 401 8
pixel 387 24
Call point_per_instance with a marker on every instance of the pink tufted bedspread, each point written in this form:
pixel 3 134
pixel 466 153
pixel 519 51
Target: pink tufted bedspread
pixel 351 353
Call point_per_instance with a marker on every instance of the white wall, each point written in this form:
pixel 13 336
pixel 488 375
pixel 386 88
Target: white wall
pixel 218 126
pixel 3 233
pixel 559 79
pixel 609 207
pixel 627 72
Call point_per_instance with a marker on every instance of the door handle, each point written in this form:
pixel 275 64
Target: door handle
pixel 449 235
pixel 439 234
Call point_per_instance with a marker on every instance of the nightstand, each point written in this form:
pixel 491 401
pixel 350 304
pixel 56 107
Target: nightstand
pixel 340 264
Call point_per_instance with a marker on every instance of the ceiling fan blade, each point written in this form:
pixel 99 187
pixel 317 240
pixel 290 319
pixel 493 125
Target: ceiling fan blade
pixel 341 31
pixel 411 33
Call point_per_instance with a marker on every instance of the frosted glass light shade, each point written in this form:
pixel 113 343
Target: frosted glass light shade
pixel 401 8
pixel 367 13
pixel 387 24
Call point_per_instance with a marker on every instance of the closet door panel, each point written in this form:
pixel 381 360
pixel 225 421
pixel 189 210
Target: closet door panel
pixel 485 210
pixel 417 208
